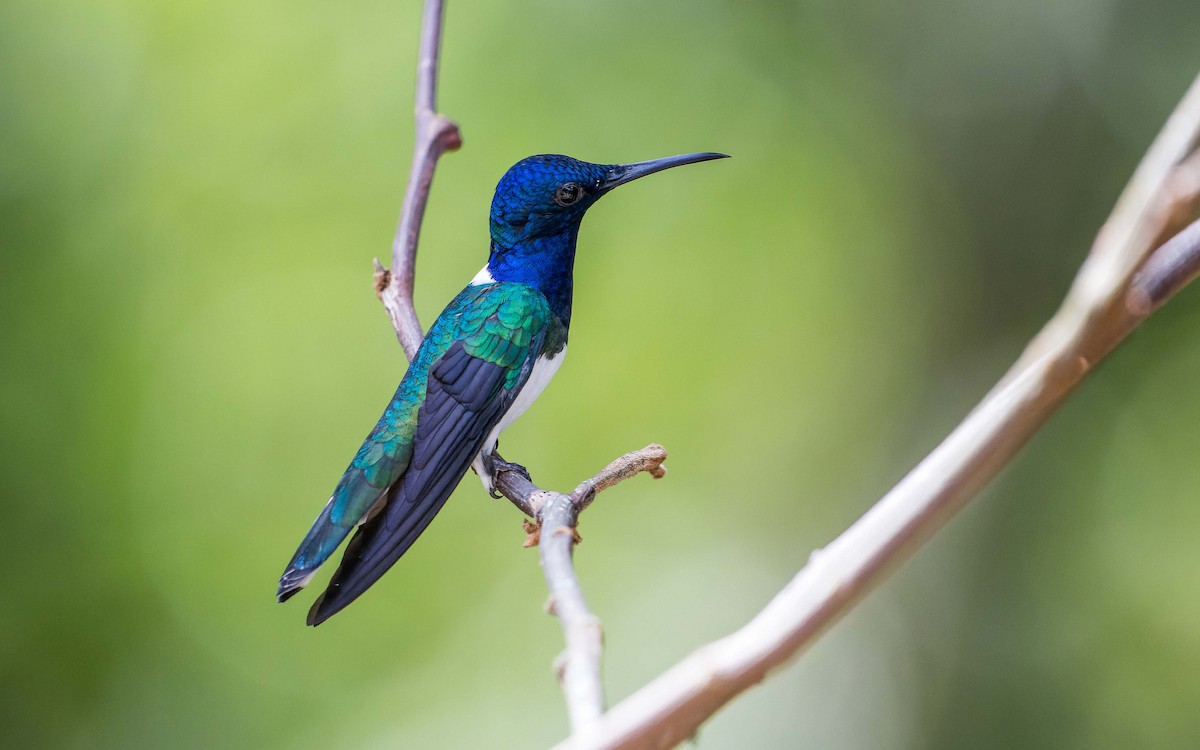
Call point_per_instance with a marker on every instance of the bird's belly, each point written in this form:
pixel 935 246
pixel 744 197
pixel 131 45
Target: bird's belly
pixel 543 370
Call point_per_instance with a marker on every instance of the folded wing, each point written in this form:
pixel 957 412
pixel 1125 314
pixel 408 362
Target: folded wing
pixel 496 337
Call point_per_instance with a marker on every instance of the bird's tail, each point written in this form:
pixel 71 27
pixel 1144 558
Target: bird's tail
pixel 381 541
pixel 319 543
pixel 341 514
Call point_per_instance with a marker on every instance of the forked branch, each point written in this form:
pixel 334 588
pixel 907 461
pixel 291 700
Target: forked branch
pixel 555 518
pixel 556 514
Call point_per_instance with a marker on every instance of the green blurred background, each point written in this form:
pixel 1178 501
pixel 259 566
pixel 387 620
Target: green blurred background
pixel 191 194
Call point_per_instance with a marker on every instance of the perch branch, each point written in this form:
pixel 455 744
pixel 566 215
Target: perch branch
pixel 1105 303
pixel 558 514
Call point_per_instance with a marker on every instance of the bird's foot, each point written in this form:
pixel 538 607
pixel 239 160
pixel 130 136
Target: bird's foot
pixel 497 465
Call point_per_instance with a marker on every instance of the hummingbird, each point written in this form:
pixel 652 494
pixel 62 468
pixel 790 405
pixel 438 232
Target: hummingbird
pixel 485 360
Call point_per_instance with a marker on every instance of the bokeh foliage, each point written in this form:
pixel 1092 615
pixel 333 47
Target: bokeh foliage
pixel 190 197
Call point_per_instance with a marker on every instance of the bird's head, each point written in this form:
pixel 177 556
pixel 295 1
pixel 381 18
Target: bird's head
pixel 548 194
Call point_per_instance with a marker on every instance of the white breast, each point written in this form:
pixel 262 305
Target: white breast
pixel 543 370
pixel 483 277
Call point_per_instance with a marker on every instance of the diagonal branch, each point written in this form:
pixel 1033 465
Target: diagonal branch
pixel 1104 304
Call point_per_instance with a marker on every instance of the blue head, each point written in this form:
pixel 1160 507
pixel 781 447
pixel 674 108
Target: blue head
pixel 537 209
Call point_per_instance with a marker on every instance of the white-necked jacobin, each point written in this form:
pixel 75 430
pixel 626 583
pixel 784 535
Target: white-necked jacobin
pixel 486 358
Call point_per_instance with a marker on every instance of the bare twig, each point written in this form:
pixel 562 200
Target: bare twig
pixel 649 459
pixel 1105 303
pixel 558 514
pixel 434 135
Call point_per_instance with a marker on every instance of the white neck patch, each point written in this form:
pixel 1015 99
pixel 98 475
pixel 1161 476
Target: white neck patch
pixel 483 277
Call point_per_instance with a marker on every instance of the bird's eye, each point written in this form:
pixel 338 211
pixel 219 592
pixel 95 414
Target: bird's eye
pixel 568 194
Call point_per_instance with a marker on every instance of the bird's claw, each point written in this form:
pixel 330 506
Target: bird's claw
pixel 497 466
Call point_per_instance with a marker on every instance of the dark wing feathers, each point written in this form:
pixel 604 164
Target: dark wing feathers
pixel 463 402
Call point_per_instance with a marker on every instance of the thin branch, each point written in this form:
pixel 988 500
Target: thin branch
pixel 1177 262
pixel 649 459
pixel 1102 307
pixel 579 665
pixel 434 135
pixel 1172 267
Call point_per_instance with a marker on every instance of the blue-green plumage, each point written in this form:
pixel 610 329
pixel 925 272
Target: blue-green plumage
pixel 484 360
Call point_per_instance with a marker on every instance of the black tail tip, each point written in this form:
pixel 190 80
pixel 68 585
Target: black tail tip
pixel 317 614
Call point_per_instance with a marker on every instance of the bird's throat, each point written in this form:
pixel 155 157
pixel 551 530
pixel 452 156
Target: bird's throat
pixel 544 263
